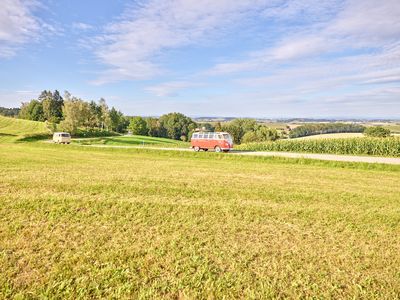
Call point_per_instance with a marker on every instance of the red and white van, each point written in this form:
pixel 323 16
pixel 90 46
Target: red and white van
pixel 219 141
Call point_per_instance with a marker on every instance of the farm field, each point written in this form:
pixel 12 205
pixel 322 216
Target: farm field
pixel 331 136
pixel 392 126
pixel 79 222
pixel 389 147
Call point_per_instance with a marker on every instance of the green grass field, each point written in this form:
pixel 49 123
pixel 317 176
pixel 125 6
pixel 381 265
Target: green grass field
pixel 79 222
pixel 134 140
pixel 13 129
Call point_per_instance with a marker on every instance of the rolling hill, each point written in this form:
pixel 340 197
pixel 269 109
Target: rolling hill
pixel 12 129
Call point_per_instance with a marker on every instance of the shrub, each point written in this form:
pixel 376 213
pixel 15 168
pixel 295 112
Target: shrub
pixel 377 131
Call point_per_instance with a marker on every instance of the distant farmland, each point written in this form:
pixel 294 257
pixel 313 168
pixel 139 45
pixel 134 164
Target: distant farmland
pixel 332 136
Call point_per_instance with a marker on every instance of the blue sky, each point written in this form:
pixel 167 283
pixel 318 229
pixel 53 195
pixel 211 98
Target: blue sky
pixel 248 58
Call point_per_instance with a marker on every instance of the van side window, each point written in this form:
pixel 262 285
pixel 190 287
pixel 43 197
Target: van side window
pixel 200 135
pixel 195 136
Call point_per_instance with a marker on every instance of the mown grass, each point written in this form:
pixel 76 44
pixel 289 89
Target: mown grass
pixel 12 129
pixel 133 140
pixel 122 223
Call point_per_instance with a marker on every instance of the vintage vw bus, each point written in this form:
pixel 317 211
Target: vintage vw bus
pixel 219 141
pixel 61 138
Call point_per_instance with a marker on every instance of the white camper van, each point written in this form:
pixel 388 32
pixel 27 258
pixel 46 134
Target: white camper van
pixel 61 138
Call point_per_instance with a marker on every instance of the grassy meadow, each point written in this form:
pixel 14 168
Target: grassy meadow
pixel 134 140
pixel 79 222
pixel 12 129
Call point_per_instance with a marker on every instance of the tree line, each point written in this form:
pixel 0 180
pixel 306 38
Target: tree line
pixel 90 118
pixel 9 112
pixel 178 126
pixel 72 114
pixel 322 128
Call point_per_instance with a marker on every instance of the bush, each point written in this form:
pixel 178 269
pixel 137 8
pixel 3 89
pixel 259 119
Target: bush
pixel 247 130
pixel 377 131
pixel 260 134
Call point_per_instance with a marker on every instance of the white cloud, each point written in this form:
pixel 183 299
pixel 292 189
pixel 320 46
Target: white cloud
pixel 132 46
pixel 356 25
pixel 314 51
pixel 18 25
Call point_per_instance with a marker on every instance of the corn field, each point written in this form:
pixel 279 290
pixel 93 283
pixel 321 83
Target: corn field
pixel 352 146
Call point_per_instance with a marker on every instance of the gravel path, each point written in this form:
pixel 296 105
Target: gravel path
pixel 331 157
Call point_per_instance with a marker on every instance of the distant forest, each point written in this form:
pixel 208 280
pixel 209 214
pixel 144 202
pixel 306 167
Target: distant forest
pixel 9 112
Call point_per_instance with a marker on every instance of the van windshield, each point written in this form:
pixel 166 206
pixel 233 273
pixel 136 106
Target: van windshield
pixel 65 134
pixel 227 137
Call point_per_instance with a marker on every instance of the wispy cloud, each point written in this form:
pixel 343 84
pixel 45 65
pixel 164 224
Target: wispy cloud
pixel 352 26
pixel 131 46
pixel 19 25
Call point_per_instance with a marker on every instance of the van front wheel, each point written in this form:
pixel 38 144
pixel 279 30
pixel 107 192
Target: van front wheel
pixel 217 149
pixel 197 148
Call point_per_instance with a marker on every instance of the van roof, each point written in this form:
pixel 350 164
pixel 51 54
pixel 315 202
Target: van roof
pixel 61 132
pixel 218 132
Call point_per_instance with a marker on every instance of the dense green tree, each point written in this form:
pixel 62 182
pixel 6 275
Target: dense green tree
pixel 377 131
pixel 117 120
pixel 238 127
pixel 105 121
pixel 175 125
pixel 138 126
pixel 260 133
pixel 154 127
pixel 95 115
pixel 32 110
pixel 76 114
pixel 45 95
pixel 59 102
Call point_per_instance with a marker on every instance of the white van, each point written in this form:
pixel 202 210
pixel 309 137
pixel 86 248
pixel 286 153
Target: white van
pixel 61 138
